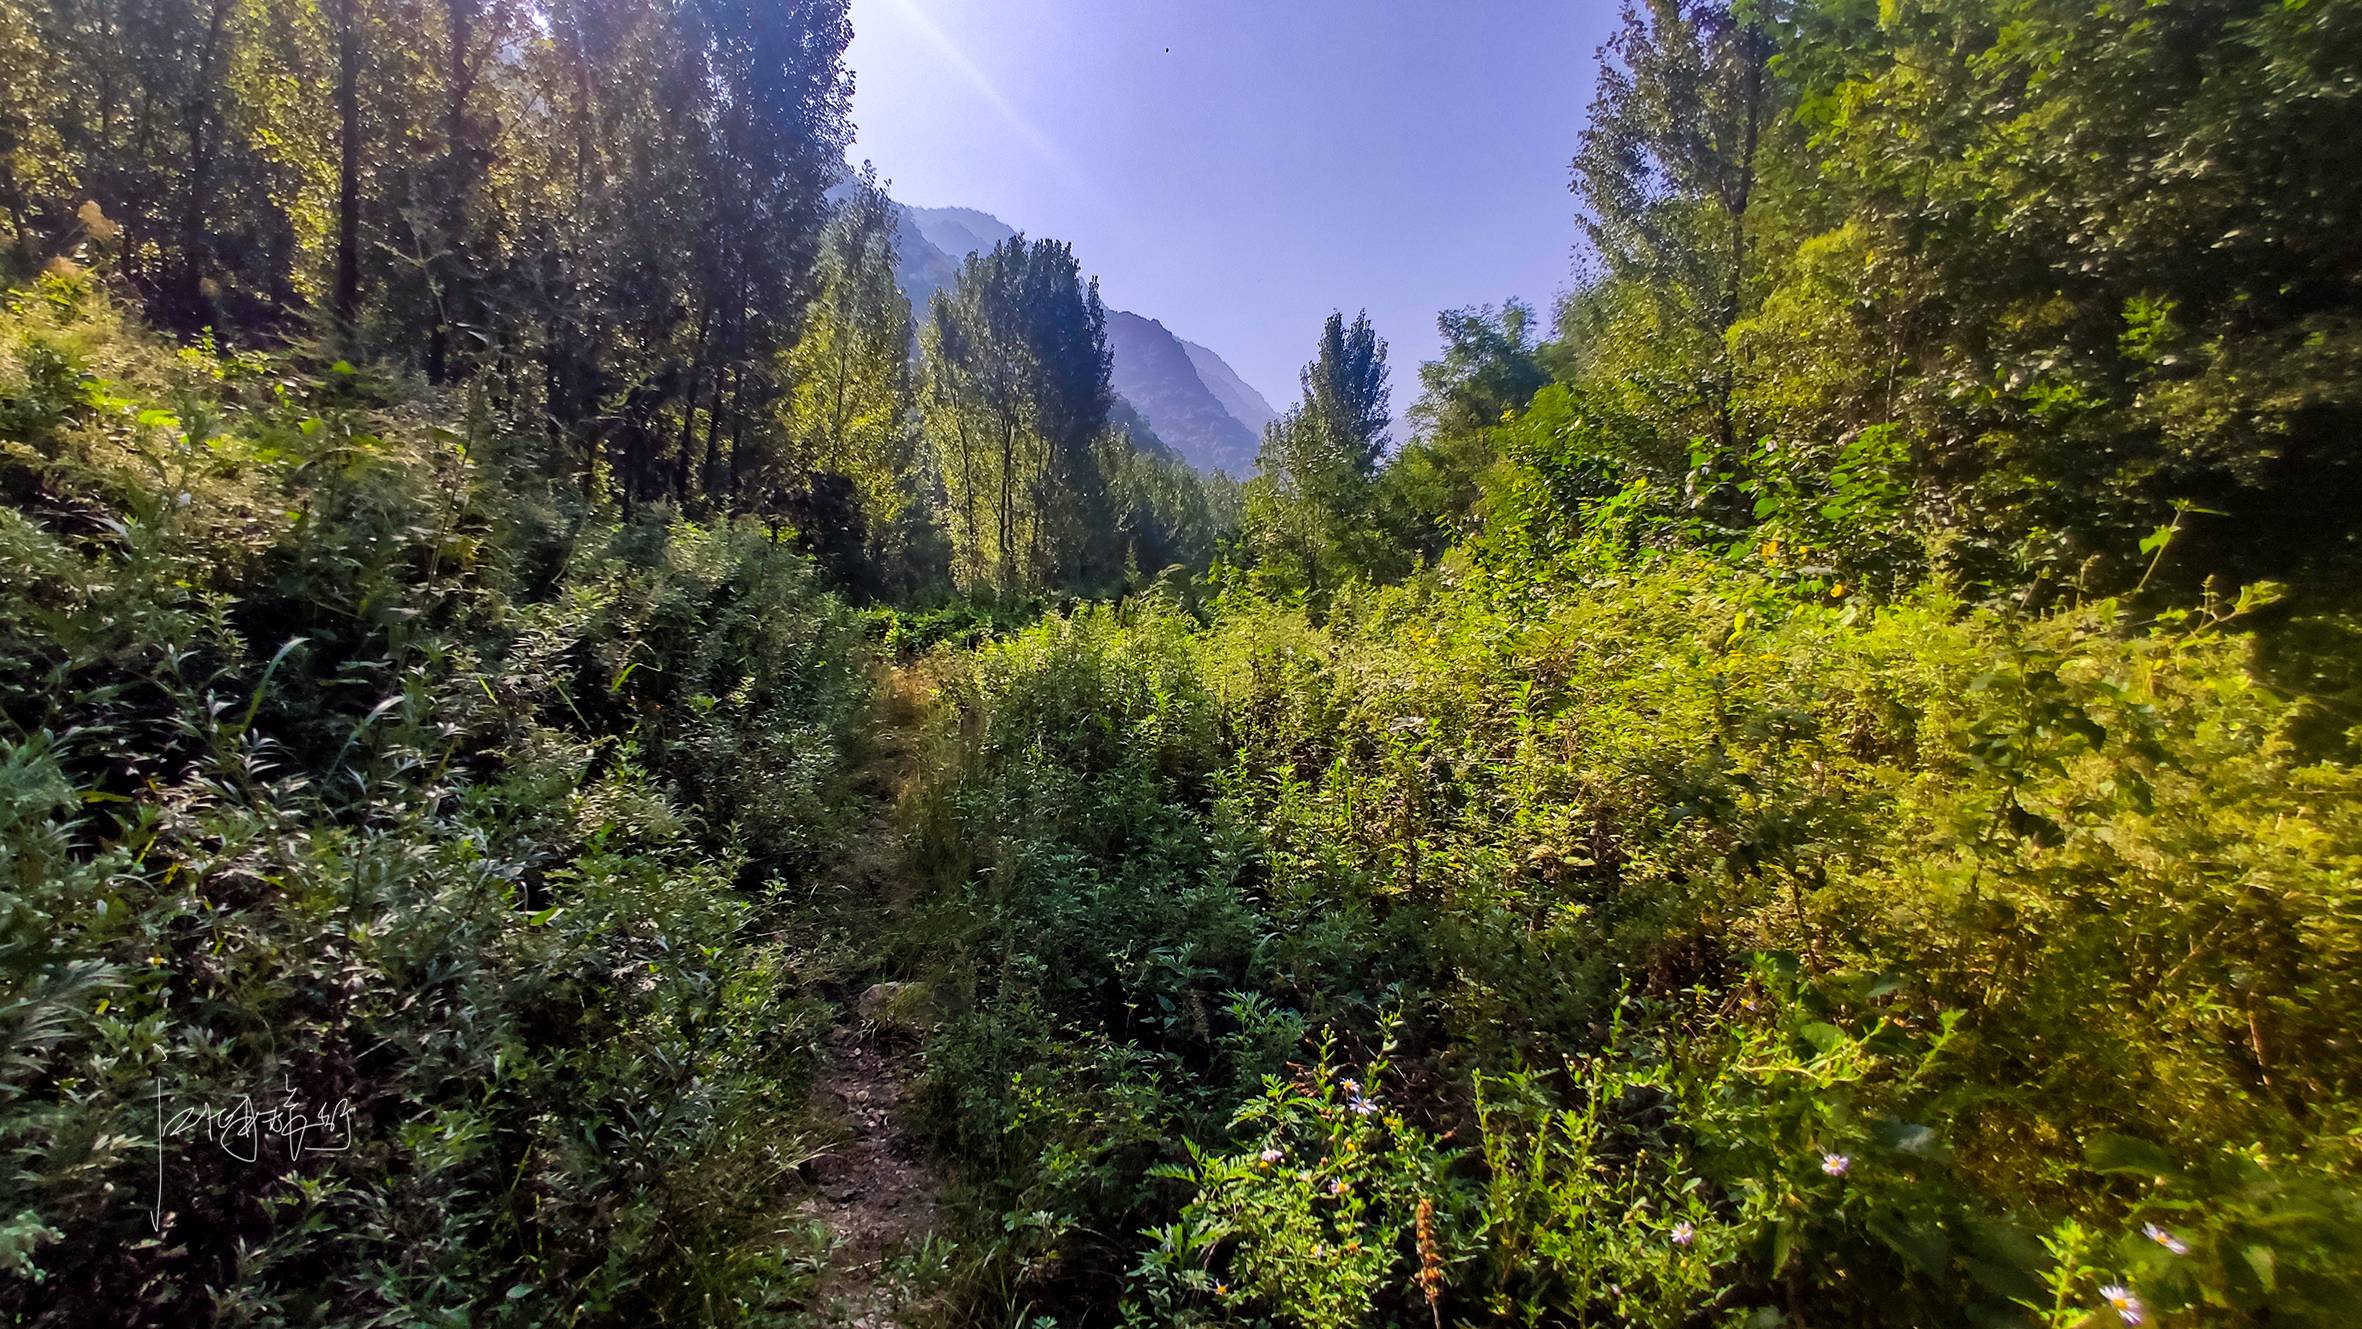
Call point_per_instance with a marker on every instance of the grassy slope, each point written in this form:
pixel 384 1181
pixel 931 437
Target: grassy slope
pixel 2042 923
pixel 1510 946
pixel 344 759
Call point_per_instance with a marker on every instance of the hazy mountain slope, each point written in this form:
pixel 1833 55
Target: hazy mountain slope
pixel 921 267
pixel 1125 416
pixel 1154 373
pixel 1237 396
pixel 1194 405
pixel 960 232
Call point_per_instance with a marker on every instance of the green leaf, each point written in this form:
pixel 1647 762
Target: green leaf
pixel 254 703
pixel 1783 1244
pixel 1822 1036
pixel 2002 1258
pixel 2109 1152
pixel 1923 1244
pixel 2266 1267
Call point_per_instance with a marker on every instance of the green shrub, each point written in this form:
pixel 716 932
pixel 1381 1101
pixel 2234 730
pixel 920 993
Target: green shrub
pixel 333 773
pixel 1505 803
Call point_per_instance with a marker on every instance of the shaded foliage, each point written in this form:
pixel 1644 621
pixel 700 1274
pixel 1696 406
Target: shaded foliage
pixel 348 767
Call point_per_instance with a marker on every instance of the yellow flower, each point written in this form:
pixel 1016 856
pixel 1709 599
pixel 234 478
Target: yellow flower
pixel 1837 592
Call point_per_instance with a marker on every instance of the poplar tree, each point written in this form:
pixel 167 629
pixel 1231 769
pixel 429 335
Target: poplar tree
pixel 1668 174
pixel 850 401
pixel 1345 392
pixel 605 211
pixel 1308 511
pixel 1016 400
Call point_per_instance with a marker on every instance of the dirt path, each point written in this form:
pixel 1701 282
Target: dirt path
pixel 874 1186
pixel 875 1189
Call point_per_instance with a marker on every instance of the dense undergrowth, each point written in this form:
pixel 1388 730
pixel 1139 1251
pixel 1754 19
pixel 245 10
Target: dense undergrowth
pixel 1586 930
pixel 346 763
pixel 1820 791
pixel 1657 939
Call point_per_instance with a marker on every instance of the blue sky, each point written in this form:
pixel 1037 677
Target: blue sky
pixel 1238 168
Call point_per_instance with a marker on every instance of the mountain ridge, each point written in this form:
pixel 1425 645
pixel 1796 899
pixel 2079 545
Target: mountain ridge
pixel 1247 406
pixel 1194 403
pixel 959 232
pixel 1155 372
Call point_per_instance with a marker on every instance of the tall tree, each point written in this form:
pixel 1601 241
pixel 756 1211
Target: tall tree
pixel 1345 391
pixel 1308 511
pixel 1016 400
pixel 779 100
pixel 203 130
pixel 1490 368
pixel 1488 373
pixel 1668 175
pixel 849 410
pixel 345 299
pixel 1066 325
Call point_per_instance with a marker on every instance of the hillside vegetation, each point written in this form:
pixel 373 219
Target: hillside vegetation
pixel 1819 789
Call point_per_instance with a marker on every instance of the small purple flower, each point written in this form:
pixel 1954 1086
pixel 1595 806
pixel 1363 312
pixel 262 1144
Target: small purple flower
pixel 1361 1106
pixel 2165 1239
pixel 1684 1234
pixel 1351 1086
pixel 1836 1165
pixel 1271 1157
pixel 2127 1306
pixel 1340 1186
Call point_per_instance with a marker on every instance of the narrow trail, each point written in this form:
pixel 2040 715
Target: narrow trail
pixel 875 1191
pixel 874 1186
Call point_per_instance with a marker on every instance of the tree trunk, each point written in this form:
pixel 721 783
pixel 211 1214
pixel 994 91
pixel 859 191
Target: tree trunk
pixel 959 415
pixel 345 302
pixel 707 473
pixel 1008 502
pixel 196 249
pixel 737 450
pixel 1755 52
pixel 460 172
pixel 688 434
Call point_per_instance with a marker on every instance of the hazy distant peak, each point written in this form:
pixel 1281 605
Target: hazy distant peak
pixel 1154 370
pixel 1236 394
pixel 960 232
pixel 1186 399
